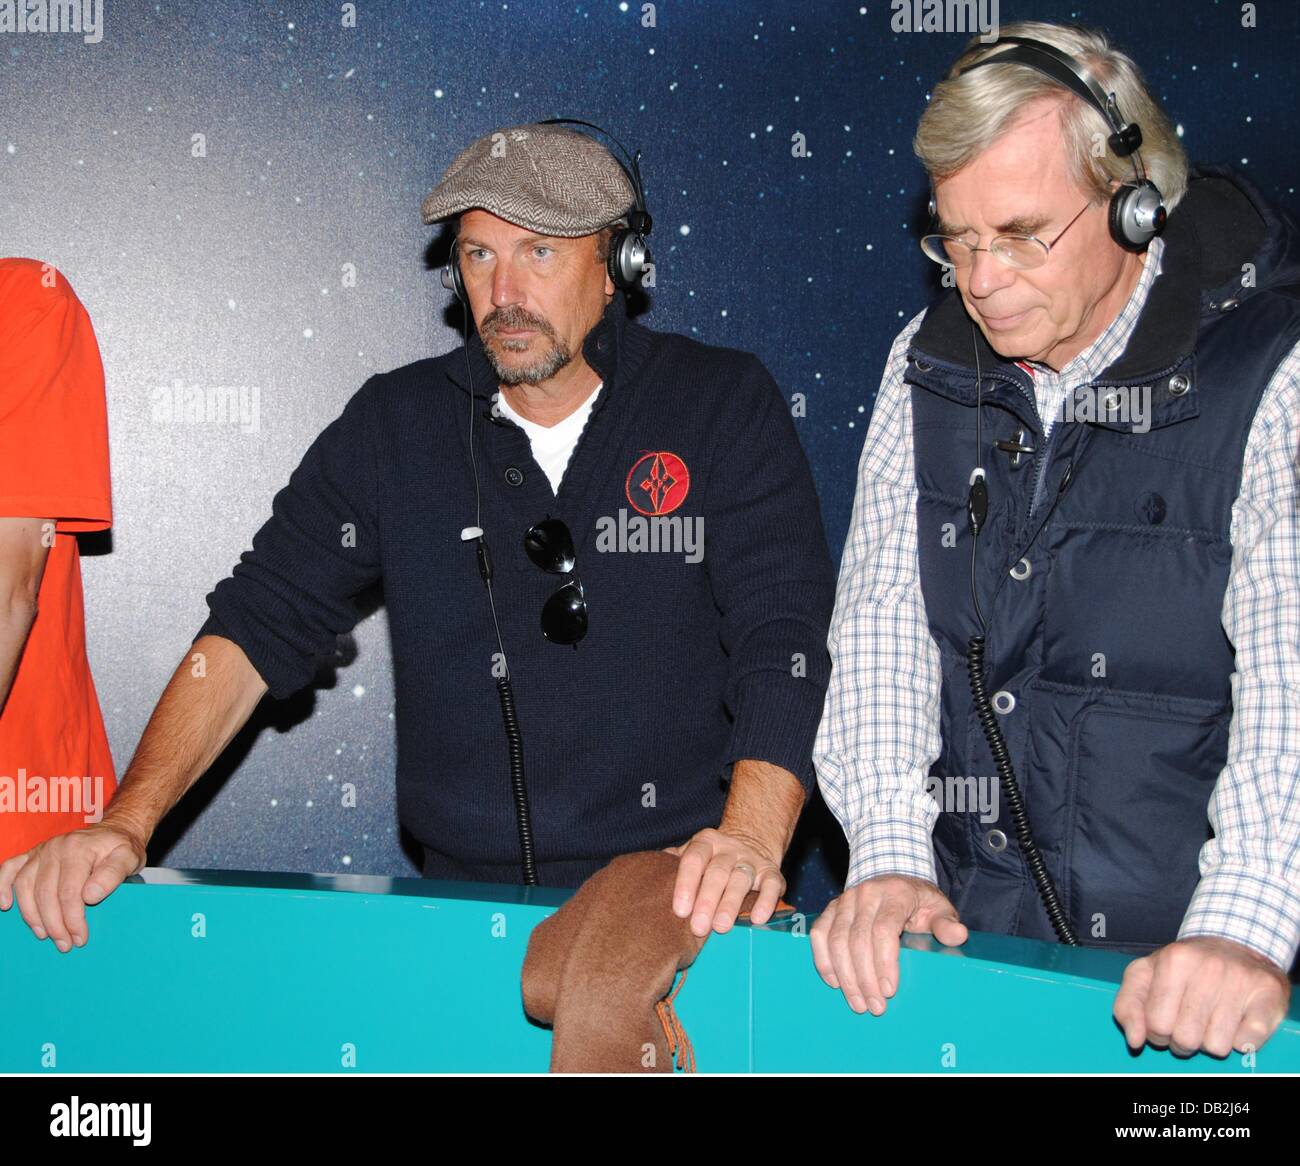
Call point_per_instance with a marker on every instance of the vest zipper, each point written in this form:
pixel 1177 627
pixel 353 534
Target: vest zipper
pixel 1040 470
pixel 1040 460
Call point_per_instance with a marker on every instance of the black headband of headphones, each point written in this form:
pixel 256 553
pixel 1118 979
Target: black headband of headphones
pixel 1126 137
pixel 639 219
pixel 1137 213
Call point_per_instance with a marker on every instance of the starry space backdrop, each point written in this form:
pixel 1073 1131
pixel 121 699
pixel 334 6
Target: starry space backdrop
pixel 321 140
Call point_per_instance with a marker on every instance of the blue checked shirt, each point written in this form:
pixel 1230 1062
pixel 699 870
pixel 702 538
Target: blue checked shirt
pixel 879 732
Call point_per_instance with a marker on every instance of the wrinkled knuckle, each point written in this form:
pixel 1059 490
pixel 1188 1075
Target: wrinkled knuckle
pixel 860 932
pixel 837 955
pixel 1215 968
pixel 883 930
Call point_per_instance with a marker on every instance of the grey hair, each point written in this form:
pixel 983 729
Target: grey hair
pixel 967 114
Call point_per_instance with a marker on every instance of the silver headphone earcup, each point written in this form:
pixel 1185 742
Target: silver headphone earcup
pixel 628 259
pixel 1137 215
pixel 451 274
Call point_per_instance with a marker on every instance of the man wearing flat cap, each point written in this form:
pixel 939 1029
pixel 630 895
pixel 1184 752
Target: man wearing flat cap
pixel 659 583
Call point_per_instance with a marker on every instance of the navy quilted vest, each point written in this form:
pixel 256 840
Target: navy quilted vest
pixel 1101 573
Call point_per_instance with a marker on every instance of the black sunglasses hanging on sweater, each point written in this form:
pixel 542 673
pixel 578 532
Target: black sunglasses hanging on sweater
pixel 550 546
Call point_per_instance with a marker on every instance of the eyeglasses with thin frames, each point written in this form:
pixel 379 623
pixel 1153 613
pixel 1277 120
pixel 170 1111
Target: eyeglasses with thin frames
pixel 1022 252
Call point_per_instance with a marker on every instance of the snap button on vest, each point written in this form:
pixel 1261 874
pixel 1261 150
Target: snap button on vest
pixel 996 841
pixel 1021 570
pixel 1110 401
pixel 1228 305
pixel 514 475
pixel 1178 385
pixel 1003 701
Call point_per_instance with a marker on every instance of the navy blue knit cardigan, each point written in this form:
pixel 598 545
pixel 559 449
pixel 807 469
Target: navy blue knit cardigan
pixel 699 653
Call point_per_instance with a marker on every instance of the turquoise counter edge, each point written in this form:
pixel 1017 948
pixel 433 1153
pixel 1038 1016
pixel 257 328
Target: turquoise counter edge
pixel 251 971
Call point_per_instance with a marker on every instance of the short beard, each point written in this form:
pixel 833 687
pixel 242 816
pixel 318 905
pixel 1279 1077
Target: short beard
pixel 540 370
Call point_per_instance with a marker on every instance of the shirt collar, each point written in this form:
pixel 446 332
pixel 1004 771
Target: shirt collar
pixel 577 416
pixel 1106 348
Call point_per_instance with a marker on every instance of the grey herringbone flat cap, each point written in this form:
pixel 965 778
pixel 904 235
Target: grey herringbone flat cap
pixel 546 178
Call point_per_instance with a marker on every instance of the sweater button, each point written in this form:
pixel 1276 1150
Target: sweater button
pixel 514 475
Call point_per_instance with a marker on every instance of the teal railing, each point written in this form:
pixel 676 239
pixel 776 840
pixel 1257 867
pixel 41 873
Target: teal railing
pixel 221 971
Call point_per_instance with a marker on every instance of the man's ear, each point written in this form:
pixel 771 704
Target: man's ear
pixel 610 286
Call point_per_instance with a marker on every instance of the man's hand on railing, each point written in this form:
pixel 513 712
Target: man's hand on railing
pixel 56 880
pixel 855 940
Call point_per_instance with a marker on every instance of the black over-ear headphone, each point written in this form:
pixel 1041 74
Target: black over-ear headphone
pixel 629 258
pixel 1137 210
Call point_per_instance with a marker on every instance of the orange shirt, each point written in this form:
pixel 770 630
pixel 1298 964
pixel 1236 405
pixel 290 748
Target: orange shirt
pixel 56 771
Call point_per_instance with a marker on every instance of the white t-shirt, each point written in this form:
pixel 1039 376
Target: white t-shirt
pixel 552 445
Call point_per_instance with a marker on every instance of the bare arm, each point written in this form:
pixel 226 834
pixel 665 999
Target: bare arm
pixel 763 805
pixel 24 547
pixel 206 702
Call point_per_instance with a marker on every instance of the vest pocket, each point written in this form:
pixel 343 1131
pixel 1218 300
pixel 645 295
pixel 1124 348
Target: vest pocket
pixel 1137 609
pixel 1141 781
pixel 954 859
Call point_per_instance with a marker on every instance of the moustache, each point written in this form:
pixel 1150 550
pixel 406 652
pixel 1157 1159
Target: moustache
pixel 515 321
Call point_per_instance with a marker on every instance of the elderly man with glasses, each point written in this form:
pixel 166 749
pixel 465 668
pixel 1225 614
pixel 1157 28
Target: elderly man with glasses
pixel 1098 622
pixel 658 697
